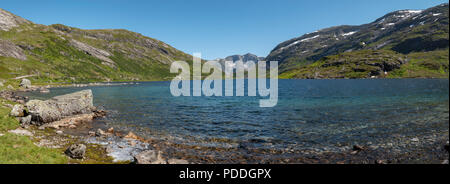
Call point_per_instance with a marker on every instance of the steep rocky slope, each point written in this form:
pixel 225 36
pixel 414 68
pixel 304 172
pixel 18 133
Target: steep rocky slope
pixel 59 53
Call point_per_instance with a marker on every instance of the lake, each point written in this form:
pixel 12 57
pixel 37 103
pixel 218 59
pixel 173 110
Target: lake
pixel 317 115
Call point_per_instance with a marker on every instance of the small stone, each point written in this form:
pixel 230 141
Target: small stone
pixel 20 131
pixel 76 151
pixel 24 121
pixel 446 146
pixel 415 139
pixel 59 132
pixel 44 90
pixel 132 143
pixel 72 126
pixel 110 130
pixel 358 148
pixel 381 162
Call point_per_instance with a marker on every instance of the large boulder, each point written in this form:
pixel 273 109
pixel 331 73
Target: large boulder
pixel 25 83
pixel 60 107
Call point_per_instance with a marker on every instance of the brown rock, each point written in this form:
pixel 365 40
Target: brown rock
pixel 177 161
pixel 131 135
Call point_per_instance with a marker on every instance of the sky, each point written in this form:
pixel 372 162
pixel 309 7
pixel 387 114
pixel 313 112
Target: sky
pixel 215 28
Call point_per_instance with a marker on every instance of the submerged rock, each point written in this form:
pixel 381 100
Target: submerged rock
pixel 70 122
pixel 20 131
pixel 100 133
pixel 60 107
pixel 25 121
pixel 119 149
pixel 76 151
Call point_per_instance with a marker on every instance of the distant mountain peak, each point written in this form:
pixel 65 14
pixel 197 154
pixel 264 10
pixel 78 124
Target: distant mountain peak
pixel 402 31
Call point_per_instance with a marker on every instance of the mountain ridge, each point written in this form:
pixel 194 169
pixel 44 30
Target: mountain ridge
pixel 403 31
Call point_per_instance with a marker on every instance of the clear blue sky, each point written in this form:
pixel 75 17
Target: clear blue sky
pixel 217 28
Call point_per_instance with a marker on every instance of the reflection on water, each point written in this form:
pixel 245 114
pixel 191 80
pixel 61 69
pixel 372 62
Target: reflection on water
pixel 310 113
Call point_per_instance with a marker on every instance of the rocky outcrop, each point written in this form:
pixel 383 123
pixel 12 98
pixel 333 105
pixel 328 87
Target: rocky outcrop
pixel 177 161
pixel 76 151
pixel 98 53
pixel 402 31
pixel 9 49
pixel 60 107
pixel 9 21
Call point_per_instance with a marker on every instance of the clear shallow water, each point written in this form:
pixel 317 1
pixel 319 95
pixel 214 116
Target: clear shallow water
pixel 311 114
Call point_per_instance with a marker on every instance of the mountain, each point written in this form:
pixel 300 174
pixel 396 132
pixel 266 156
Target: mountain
pixel 243 58
pixel 405 32
pixel 59 53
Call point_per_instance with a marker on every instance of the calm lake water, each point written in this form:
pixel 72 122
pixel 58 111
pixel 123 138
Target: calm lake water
pixel 311 114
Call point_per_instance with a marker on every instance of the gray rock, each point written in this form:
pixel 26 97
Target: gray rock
pixel 60 107
pixel 76 151
pixel 17 111
pixel 25 83
pixel 1 84
pixel 25 120
pixel 149 157
pixel 9 49
pixel 446 146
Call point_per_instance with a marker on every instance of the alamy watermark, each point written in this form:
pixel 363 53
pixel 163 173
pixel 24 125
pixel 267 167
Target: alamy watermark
pixel 232 72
